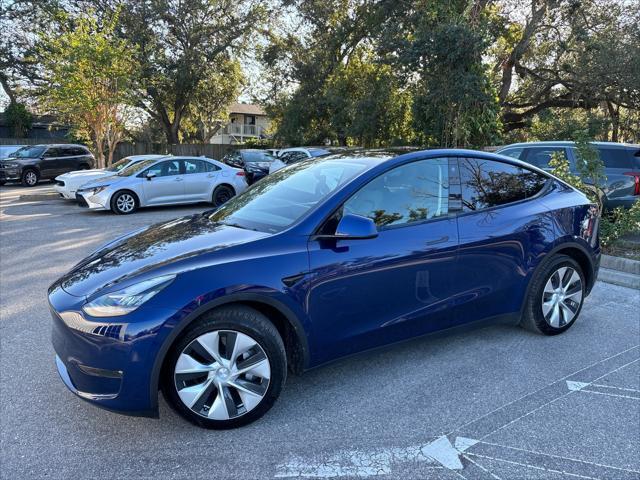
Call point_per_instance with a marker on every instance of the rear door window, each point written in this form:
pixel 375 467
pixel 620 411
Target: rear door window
pixel 486 183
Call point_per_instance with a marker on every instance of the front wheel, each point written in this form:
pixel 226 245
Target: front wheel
pixel 227 370
pixel 124 203
pixel 30 178
pixel 556 296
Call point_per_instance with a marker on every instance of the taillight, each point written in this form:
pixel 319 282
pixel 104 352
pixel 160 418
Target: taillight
pixel 240 173
pixel 636 179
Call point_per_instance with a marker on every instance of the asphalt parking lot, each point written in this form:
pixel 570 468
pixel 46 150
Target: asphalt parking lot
pixel 491 403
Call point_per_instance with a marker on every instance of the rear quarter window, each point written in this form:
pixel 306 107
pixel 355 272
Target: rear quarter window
pixel 617 157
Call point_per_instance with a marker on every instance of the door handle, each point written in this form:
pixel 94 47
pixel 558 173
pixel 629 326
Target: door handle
pixel 438 240
pixel 178 179
pixel 211 175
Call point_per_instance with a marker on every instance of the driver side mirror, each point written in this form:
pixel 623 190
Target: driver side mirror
pixel 353 227
pixel 151 175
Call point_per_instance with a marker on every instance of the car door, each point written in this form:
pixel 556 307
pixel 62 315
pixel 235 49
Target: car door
pixel 200 177
pixel 501 232
pixel 69 159
pixel 50 165
pixel 365 293
pixel 167 186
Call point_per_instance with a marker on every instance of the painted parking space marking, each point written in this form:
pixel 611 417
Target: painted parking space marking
pixel 598 390
pixel 362 463
pixel 549 462
pixel 463 454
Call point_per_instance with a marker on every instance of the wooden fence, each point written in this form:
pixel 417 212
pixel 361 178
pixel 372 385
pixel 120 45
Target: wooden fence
pixel 125 149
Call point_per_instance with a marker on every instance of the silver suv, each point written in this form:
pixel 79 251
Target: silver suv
pixel 621 164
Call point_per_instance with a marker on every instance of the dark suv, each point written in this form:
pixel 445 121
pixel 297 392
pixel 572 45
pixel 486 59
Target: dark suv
pixel 33 163
pixel 621 165
pixel 254 162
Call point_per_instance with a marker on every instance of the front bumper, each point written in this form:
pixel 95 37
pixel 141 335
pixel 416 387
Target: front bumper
pixel 107 361
pixel 93 202
pixel 10 174
pixel 64 191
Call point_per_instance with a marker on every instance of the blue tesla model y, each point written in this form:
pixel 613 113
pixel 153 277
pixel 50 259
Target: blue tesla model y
pixel 323 259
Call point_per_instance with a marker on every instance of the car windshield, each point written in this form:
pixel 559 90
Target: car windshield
pixel 279 200
pixel 119 165
pixel 28 152
pixel 258 157
pixel 6 151
pixel 136 167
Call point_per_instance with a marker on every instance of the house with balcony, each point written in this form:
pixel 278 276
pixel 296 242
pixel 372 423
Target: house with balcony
pixel 246 121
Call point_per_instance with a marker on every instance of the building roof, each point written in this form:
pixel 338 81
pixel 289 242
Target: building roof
pixel 246 108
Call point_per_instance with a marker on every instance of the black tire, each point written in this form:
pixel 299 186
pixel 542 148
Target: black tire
pixel 118 202
pixel 84 166
pixel 30 177
pixel 533 318
pixel 222 194
pixel 242 319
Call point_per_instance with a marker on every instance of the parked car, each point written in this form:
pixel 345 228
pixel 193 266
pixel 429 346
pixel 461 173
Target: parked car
pixel 33 163
pixel 329 257
pixel 164 181
pixel 621 164
pixel 254 162
pixel 67 184
pixel 289 156
pixel 273 151
pixel 6 150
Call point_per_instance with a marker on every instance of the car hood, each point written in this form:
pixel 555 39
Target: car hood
pixel 103 181
pixel 165 245
pixel 96 172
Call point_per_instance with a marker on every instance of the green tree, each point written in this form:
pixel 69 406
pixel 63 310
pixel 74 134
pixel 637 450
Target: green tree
pixel 18 118
pixel 180 46
pixel 207 113
pixel 88 76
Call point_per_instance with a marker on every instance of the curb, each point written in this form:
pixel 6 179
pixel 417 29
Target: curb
pixel 40 196
pixel 620 271
pixel 621 264
pixel 622 279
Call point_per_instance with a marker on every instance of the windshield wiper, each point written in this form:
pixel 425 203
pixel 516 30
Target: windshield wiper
pixel 237 225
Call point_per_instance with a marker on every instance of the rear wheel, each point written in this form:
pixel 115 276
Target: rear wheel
pixel 227 370
pixel 124 203
pixel 30 178
pixel 556 296
pixel 222 194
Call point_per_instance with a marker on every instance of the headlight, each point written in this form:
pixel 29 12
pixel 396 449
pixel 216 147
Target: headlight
pixel 128 299
pixel 10 165
pixel 97 190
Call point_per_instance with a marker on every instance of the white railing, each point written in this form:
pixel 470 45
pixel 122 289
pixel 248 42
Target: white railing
pixel 242 130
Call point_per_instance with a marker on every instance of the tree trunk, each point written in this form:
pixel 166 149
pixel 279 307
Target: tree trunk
pixel 614 113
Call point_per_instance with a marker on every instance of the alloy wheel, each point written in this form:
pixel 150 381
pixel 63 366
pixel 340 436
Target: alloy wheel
pixel 31 178
pixel 562 297
pixel 222 374
pixel 125 203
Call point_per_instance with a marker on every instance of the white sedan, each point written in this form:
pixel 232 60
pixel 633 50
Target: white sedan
pixel 289 156
pixel 67 185
pixel 166 181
